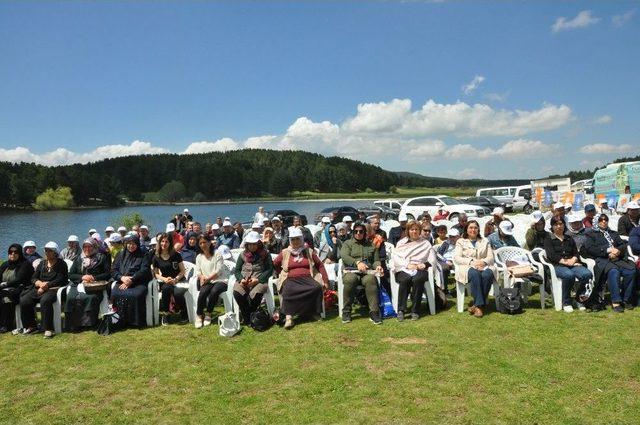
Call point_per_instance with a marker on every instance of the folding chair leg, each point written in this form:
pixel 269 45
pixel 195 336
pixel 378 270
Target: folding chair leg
pixel 460 287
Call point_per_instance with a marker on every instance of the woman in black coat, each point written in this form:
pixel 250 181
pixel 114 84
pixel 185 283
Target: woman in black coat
pixel 612 265
pixel 15 275
pixel 131 273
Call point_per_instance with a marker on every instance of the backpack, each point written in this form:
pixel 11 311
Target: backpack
pixel 229 325
pixel 260 320
pixel 510 300
pixel 109 324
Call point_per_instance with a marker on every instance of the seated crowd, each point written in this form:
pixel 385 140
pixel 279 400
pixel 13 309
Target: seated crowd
pixel 127 260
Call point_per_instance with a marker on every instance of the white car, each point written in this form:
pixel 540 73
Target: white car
pixel 394 204
pixel 415 207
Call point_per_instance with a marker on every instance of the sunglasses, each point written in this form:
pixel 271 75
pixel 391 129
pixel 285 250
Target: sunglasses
pixel 332 231
pixel 49 250
pixel 603 219
pixel 358 231
pixel 13 252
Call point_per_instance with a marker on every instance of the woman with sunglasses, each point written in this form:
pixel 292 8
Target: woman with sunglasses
pixel 612 264
pixel 561 251
pixel 253 269
pixel 50 275
pixel 213 276
pixel 474 266
pixel 15 275
pixel 298 267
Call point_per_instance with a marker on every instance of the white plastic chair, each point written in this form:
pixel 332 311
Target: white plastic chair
pixel 57 312
pixel 341 287
pixel 428 285
pixel 506 253
pixel 227 297
pixel 556 283
pixel 189 271
pixel 461 288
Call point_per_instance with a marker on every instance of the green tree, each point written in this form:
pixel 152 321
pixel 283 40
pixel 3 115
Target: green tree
pixel 55 199
pixel 280 183
pixel 172 191
pixel 129 220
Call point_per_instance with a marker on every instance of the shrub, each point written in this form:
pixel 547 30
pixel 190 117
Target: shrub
pixel 129 220
pixel 55 199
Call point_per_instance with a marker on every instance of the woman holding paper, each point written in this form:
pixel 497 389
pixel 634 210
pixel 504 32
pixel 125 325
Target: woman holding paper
pixel 411 258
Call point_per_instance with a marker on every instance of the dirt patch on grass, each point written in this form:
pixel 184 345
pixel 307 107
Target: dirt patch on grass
pixel 349 341
pixel 405 341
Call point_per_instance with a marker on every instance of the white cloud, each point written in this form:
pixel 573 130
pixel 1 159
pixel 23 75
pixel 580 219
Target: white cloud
pixel 468 173
pixel 513 149
pixel 582 20
pixel 469 152
pixel 473 84
pixel 604 148
pixel 261 142
pixel 427 149
pixel 620 20
pixel 592 164
pixel 603 119
pixel 376 117
pixel 221 145
pixel 497 97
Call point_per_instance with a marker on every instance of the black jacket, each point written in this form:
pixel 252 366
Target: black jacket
pixel 596 247
pixel 625 225
pixel 101 271
pixel 556 249
pixel 23 273
pixel 395 234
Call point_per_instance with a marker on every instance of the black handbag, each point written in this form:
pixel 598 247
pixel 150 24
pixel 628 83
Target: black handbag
pixel 109 324
pixel 260 320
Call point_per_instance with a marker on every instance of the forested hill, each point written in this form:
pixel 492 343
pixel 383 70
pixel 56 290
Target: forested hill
pixel 200 177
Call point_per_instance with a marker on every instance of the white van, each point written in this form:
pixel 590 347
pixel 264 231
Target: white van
pixel 514 195
pixel 414 207
pixel 394 204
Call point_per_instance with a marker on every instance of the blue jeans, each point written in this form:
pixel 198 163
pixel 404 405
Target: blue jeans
pixel 568 275
pixel 480 283
pixel 626 286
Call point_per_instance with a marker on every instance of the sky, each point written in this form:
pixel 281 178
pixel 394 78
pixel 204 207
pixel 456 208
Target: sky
pixel 443 88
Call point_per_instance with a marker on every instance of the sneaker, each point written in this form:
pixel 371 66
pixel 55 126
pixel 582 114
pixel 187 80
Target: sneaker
pixel 374 316
pixel 29 331
pixel 288 323
pixel 207 320
pixel 400 316
pixel 346 317
pixel 618 308
pixel 580 306
pixel 629 306
pixel 49 334
pixel 567 309
pixel 164 320
pixel 198 322
pixel 415 316
pixel 16 331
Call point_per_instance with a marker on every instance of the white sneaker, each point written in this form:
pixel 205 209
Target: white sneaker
pixel 581 307
pixel 198 322
pixel 49 334
pixel 207 319
pixel 568 309
pixel 164 320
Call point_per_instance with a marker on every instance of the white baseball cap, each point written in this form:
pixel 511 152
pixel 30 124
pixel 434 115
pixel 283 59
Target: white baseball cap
pixel 186 210
pixel 536 216
pixel 402 217
pixel 572 218
pixel 326 219
pixel 226 223
pixel 225 252
pixel 92 231
pixel 633 205
pixel 252 237
pixel 109 229
pixel 170 228
pixel 96 236
pixel 453 232
pixel 27 244
pixel 153 241
pixel 227 219
pixel 256 225
pixel 73 238
pixel 116 238
pixel 506 227
pixel 122 229
pixel 294 232
pixel 558 205
pixel 144 226
pixel 347 219
pixel 215 226
pixel 265 220
pixel 51 245
pixel 498 211
pixel 276 218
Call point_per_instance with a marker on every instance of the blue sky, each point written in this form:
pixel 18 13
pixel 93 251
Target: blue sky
pixel 439 88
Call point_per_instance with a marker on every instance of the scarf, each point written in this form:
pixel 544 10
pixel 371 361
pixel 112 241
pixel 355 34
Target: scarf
pixel 15 264
pixel 327 237
pixel 607 236
pixel 408 251
pixel 252 257
pixel 90 261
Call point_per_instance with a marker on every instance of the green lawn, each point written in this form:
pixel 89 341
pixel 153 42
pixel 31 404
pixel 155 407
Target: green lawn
pixel 538 367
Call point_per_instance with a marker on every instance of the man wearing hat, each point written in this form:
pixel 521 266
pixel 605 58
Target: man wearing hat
pixel 123 231
pixel 398 232
pixel 108 231
pixel 228 236
pixel 629 220
pixel 503 236
pixel 306 233
pixel 590 213
pixel 72 251
pixel 492 225
pixel 29 251
pixel 143 233
pixel 349 222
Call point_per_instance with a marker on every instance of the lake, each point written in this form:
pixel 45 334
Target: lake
pixel 44 226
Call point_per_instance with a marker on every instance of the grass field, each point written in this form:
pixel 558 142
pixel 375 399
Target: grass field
pixel 539 367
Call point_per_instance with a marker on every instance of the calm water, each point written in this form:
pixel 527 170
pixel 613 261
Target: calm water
pixel 42 227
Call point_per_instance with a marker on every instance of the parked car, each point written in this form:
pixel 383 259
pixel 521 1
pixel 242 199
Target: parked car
pixel 337 213
pixel 514 195
pixel 383 211
pixel 489 202
pixel 287 217
pixel 415 207
pixel 392 204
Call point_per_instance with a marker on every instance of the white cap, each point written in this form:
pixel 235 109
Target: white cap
pixel 558 205
pixel 294 232
pixel 73 238
pixel 144 226
pixel 225 252
pixel 268 229
pixel 604 201
pixel 402 217
pixel 326 219
pixel 265 220
pixel 186 210
pixel 453 232
pixel 51 245
pixel 568 205
pixel 28 244
pixel 633 205
pixel 572 218
pixel 170 228
pixel 122 229
pixel 131 233
pixel 109 229
pixel 92 231
pixel 96 236
pixel 227 219
pixel 341 226
pixel 276 218
pixel 153 241
pixel 536 216
pixel 252 237
pixel 226 223
pixel 215 226
pixel 506 227
pixel 346 219
pixel 115 238
pixel 256 225
pixel 498 211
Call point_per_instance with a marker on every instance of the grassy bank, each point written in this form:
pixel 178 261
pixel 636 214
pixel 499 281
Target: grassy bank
pixel 538 367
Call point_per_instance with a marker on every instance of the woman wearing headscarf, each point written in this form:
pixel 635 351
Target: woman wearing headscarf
pixel 50 275
pixel 328 249
pixel 271 244
pixel 81 308
pixel 15 275
pixel 131 274
pixel 410 260
pixel 72 251
pixel 190 250
pixel 213 277
pixel 298 267
pixel 536 233
pixel 253 270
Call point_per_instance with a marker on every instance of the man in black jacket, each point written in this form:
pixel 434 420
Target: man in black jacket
pixel 629 220
pixel 397 233
pixel 610 253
